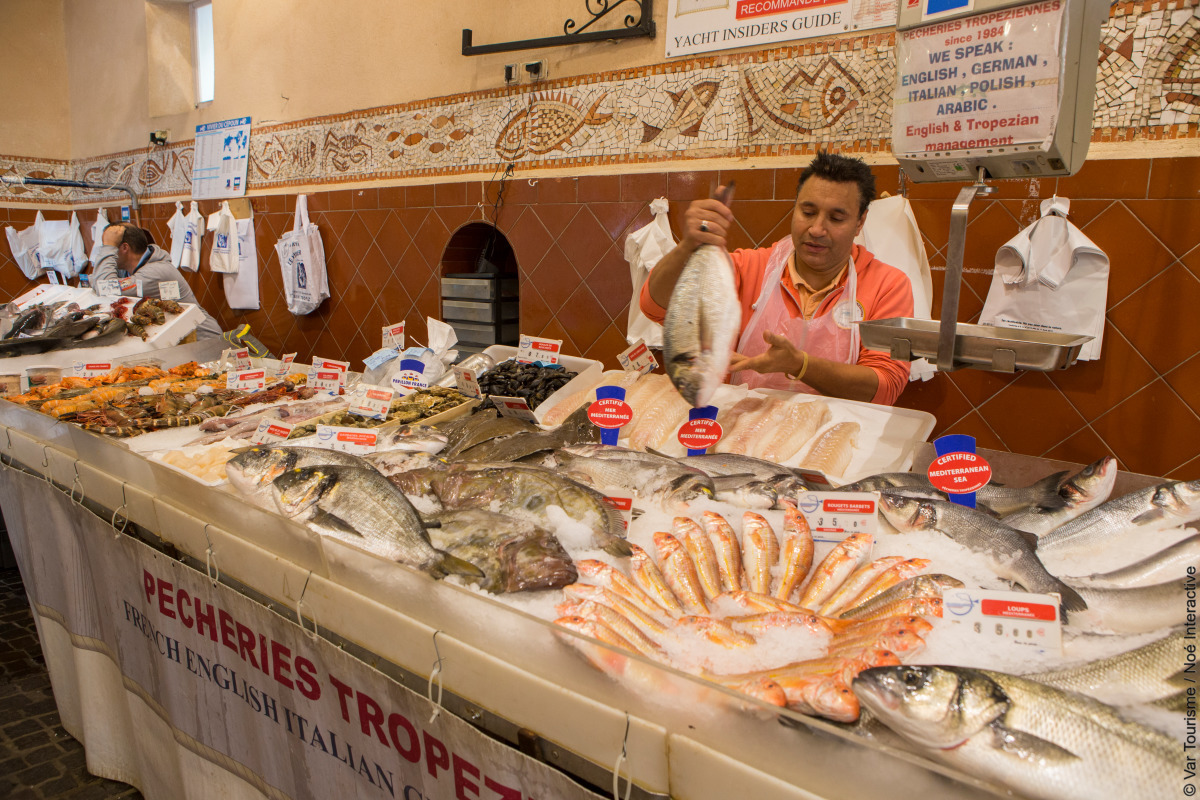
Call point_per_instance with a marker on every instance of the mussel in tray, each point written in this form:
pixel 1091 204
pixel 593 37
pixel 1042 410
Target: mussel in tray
pixel 532 382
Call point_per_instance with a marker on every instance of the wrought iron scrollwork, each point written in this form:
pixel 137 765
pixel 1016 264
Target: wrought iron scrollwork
pixel 640 26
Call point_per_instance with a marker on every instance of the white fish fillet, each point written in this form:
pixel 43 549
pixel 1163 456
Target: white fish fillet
pixel 832 451
pixel 790 429
pixel 625 379
pixel 656 424
pixel 746 429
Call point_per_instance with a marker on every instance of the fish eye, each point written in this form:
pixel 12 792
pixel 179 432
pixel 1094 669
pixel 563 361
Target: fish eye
pixel 913 679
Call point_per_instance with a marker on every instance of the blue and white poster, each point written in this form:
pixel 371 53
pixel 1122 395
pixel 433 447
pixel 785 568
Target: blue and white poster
pixel 221 156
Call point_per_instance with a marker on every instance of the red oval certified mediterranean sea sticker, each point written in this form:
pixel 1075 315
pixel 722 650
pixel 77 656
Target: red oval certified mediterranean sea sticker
pixel 609 412
pixel 959 473
pixel 697 434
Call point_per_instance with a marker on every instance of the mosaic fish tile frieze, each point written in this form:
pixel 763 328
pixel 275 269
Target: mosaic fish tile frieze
pixel 779 102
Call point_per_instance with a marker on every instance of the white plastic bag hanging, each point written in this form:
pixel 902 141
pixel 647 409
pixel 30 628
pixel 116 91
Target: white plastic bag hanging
pixel 25 245
pixel 1051 277
pixel 302 259
pixel 189 258
pixel 891 233
pixel 60 246
pixel 98 234
pixel 644 248
pixel 224 255
pixel 241 290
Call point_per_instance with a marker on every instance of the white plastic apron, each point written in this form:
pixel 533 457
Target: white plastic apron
pixel 832 336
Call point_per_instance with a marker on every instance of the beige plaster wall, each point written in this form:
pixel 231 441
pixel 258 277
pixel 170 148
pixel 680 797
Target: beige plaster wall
pixel 33 80
pixel 284 60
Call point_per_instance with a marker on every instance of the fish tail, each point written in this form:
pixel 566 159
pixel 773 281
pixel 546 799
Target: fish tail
pixel 649 133
pixel 1071 599
pixel 616 546
pixel 453 565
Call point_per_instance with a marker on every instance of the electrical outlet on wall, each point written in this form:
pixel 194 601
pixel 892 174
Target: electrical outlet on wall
pixel 537 70
pixel 512 74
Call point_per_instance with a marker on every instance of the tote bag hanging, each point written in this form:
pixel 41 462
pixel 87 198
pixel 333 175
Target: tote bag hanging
pixel 224 256
pixel 61 246
pixel 302 259
pixel 189 258
pixel 241 290
pixel 98 234
pixel 24 246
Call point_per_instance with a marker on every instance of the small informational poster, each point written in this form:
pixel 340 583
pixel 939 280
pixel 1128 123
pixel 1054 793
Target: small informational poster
pixel 702 26
pixel 990 80
pixel 222 154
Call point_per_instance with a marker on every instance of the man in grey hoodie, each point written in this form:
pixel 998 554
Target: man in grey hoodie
pixel 125 251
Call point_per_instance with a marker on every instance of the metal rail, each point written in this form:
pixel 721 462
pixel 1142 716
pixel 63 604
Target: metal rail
pixel 642 27
pixel 17 180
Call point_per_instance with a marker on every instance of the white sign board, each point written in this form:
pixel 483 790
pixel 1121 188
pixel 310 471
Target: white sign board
pixel 702 26
pixel 221 156
pixel 990 80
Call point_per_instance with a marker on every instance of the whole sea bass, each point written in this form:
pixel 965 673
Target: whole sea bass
pixel 360 506
pixel 252 472
pixel 1010 552
pixel 702 323
pixel 1166 505
pixel 1042 742
pixel 1143 675
pixel 1080 493
pixel 1001 500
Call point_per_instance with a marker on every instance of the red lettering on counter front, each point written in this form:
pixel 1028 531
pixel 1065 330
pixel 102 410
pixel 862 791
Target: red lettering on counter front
pixel 148 584
pixel 436 754
pixel 227 631
pixel 411 753
pixel 344 693
pixel 462 784
pixel 246 643
pixel 182 601
pixel 208 616
pixel 166 599
pixel 281 663
pixel 306 678
pixel 370 715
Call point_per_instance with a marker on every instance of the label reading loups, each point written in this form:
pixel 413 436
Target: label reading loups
pixel 983 618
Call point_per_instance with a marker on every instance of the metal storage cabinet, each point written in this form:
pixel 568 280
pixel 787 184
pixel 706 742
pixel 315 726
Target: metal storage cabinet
pixel 483 309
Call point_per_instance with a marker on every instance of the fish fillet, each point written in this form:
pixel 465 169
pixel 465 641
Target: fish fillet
pixel 831 453
pixel 791 429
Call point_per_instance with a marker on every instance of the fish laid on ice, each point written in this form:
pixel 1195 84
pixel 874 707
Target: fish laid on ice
pixel 919 586
pixel 1139 609
pixel 832 451
pixel 1142 675
pixel 702 323
pixel 846 557
pixel 650 579
pixel 680 573
pixel 1040 741
pixel 760 552
pixel 1168 563
pixel 703 554
pixel 645 475
pixel 393 462
pixel 856 584
pixel 253 471
pixel 480 427
pixel 1154 508
pixel 520 490
pixel 1010 553
pixel 728 550
pixel 1080 493
pixel 797 552
pixel 992 498
pixel 515 555
pixel 576 429
pixel 371 513
pixel 414 438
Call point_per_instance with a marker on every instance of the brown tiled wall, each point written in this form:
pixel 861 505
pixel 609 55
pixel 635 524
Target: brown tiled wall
pixel 1140 402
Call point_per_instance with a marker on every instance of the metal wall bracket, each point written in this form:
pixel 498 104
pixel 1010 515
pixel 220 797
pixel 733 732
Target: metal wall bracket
pixel 573 33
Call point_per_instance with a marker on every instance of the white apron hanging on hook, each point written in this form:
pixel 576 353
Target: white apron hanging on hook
pixel 644 248
pixel 1052 278
pixel 98 234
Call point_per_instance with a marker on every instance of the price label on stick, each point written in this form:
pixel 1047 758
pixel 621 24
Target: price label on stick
pixel 467 381
pixel 271 431
pixel 90 369
pixel 285 365
pixel 249 380
pixel 534 348
pixel 832 516
pixel 514 407
pixel 237 359
pixel 985 618
pixel 393 336
pixel 638 358
pixel 371 401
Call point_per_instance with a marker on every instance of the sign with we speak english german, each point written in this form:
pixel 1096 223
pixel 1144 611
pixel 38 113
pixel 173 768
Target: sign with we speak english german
pixel 702 26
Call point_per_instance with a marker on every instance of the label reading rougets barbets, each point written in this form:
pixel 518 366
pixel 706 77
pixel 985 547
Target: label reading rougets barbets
pixel 832 516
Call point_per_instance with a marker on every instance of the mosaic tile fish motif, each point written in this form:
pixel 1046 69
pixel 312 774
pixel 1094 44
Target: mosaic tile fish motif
pixel 801 102
pixel 690 107
pixel 345 152
pixel 549 123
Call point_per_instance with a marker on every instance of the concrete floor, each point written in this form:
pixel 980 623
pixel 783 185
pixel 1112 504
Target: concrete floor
pixel 38 759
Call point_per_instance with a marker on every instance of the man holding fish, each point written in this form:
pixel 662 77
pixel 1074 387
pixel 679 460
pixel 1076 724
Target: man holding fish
pixel 798 300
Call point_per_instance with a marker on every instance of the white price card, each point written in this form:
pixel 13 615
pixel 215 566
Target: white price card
pixel 247 380
pixel 393 336
pixel 371 401
pixel 127 284
pixel 168 290
pixel 832 516
pixel 90 369
pixel 467 381
pixel 109 287
pixel 638 358
pixel 328 374
pixel 514 407
pixel 271 431
pixel 534 348
pixel 52 276
pixel 237 359
pixel 1031 622
pixel 347 440
pixel 285 365
pixel 816 479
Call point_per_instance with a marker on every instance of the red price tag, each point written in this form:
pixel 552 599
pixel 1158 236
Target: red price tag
pixel 698 434
pixel 959 473
pixel 1006 608
pixel 609 412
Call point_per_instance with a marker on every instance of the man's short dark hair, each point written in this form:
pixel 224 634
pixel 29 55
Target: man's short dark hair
pixel 137 238
pixel 842 169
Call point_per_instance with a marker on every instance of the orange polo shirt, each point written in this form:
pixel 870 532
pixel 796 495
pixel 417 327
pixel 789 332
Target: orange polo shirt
pixel 882 291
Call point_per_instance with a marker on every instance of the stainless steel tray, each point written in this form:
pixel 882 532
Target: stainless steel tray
pixel 981 346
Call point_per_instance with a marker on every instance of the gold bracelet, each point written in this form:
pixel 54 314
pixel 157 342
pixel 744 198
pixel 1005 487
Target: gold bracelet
pixel 803 368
